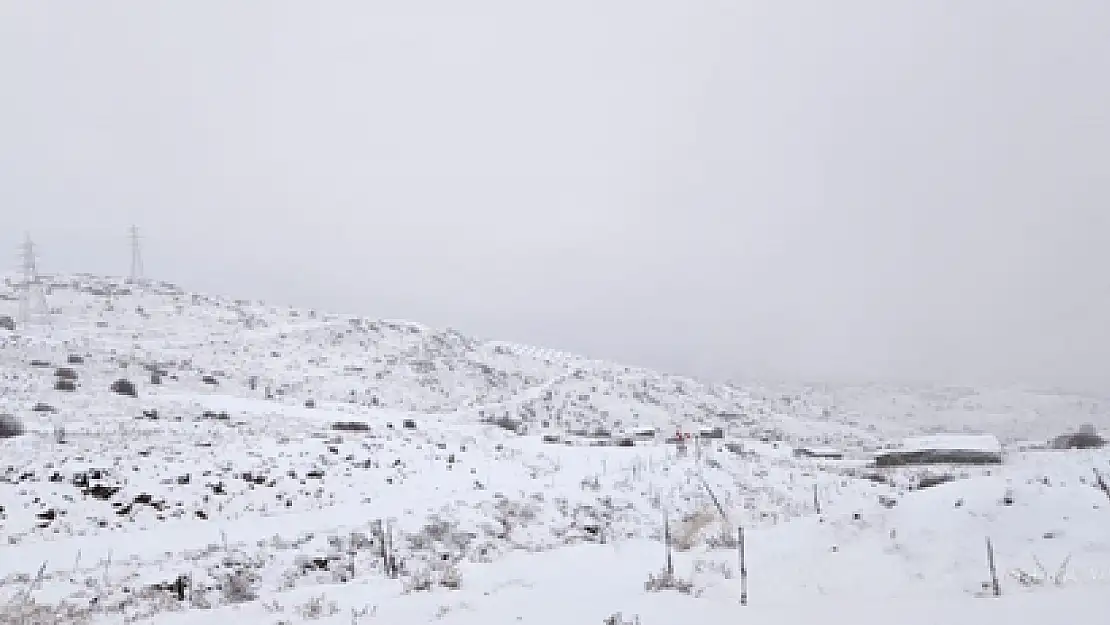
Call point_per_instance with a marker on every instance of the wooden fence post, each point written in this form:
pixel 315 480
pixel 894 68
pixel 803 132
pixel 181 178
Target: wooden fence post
pixel 1101 483
pixel 743 566
pixel 667 542
pixel 996 589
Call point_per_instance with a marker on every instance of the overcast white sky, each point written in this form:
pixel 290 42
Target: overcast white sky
pixel 822 190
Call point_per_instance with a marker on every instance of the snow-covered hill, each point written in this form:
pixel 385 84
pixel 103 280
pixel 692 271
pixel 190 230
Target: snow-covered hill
pixel 271 460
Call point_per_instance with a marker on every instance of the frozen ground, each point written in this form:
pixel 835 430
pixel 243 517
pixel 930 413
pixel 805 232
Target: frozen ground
pixel 501 481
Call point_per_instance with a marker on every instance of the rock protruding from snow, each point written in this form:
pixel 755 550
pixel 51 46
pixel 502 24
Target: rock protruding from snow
pixel 10 426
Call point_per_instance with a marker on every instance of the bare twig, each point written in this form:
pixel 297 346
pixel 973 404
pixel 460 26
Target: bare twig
pixel 1062 571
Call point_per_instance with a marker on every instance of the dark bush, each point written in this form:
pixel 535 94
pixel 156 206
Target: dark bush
pixel 1079 440
pixel 508 423
pixel 209 380
pixel 124 387
pixel 65 385
pixel 10 426
pixel 929 480
pixel 74 359
pixel 65 373
pixel 350 426
pixel 7 323
pixel 41 407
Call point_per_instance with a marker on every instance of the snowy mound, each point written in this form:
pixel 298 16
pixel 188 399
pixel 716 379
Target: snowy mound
pixel 177 458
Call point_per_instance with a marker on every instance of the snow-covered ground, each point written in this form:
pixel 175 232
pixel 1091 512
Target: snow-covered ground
pixel 282 452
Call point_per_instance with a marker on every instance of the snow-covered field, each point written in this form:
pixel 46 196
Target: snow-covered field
pixel 273 462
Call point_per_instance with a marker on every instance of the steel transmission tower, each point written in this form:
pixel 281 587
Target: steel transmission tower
pixel 136 256
pixel 32 300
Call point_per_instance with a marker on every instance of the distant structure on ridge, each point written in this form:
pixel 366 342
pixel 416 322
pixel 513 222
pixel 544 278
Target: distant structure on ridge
pixel 32 300
pixel 136 256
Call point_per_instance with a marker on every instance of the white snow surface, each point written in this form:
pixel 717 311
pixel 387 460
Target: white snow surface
pixel 229 474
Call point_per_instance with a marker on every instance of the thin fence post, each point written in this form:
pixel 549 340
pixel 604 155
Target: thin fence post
pixel 390 558
pixel 377 528
pixel 743 566
pixel 667 542
pixel 996 589
pixel 816 500
pixel 1101 482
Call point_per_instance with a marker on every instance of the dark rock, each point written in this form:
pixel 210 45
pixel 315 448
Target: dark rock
pixel 124 387
pixel 101 492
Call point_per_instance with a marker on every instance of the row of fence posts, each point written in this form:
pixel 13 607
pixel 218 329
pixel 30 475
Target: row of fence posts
pixel 996 588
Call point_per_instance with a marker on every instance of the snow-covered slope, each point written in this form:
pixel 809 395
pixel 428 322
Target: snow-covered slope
pixel 263 447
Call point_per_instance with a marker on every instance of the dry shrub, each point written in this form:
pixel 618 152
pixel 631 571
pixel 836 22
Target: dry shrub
pixel 10 426
pixel 667 581
pixel 686 534
pixel 27 611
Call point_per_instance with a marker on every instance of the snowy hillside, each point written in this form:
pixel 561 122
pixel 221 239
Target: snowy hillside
pixel 187 457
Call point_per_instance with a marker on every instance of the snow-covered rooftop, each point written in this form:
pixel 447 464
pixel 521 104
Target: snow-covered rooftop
pixel 985 443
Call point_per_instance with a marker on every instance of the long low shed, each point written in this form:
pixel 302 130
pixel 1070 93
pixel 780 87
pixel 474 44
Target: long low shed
pixel 943 449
